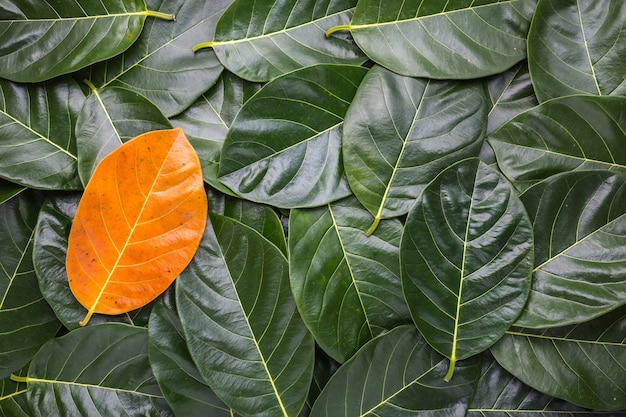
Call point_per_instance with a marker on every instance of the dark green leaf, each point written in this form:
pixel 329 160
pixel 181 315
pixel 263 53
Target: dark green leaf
pixel 26 320
pixel 207 121
pixel 161 65
pixel 262 40
pixel 49 252
pixel 96 370
pixel 173 368
pixel 284 146
pixel 443 40
pixel 577 47
pixel 37 133
pixel 396 375
pixel 466 259
pixel 110 117
pixel 39 41
pixel 13 398
pixel 9 190
pixel 400 132
pixel 564 134
pixel 347 285
pixel 579 223
pixel 583 364
pixel 241 323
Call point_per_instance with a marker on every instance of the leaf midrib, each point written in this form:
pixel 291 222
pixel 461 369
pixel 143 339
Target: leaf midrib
pixel 83 385
pixel 17 267
pixel 564 339
pixel 72 19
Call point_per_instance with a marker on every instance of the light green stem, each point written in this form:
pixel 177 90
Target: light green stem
pixel 19 378
pixel 159 15
pixel 202 46
pixel 448 376
pixel 337 29
pixel 373 227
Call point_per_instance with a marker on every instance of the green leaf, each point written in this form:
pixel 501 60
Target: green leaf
pixel 26 320
pixel 442 40
pixel 466 260
pixel 110 117
pixel 9 190
pixel 579 224
pixel 207 121
pixel 583 363
pixel 347 285
pixel 241 323
pixel 396 375
pixel 13 398
pixel 37 133
pixel 400 132
pixel 564 134
pixel 259 41
pixel 95 370
pixel 161 65
pixel 284 146
pixel 173 367
pixel 43 40
pixel 49 252
pixel 577 47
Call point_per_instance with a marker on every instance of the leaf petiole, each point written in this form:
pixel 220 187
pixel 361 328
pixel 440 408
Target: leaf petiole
pixel 448 376
pixel 159 15
pixel 202 45
pixel 16 378
pixel 337 29
pixel 373 227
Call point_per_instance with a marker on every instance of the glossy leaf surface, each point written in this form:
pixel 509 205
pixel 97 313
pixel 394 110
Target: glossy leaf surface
pixel 400 132
pixel 49 254
pixel 33 153
pixel 161 65
pixel 561 135
pixel 26 320
pixel 284 146
pixel 138 223
pixel 466 259
pixel 396 375
pixel 260 41
pixel 579 223
pixel 13 398
pixel 96 370
pixel 9 190
pixel 110 117
pixel 576 47
pixel 443 40
pixel 43 40
pixel 241 323
pixel 583 363
pixel 177 375
pixel 347 285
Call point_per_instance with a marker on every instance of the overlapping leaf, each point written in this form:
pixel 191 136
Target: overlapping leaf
pixel 110 117
pixel 466 260
pixel 284 146
pixel 37 133
pixel 400 132
pixel 104 371
pixel 43 40
pixel 579 224
pixel 9 190
pixel 207 120
pixel 565 134
pixel 26 320
pixel 13 398
pixel 583 364
pixel 577 47
pixel 241 323
pixel 442 40
pixel 138 223
pixel 262 40
pixel 347 285
pixel 396 375
pixel 161 65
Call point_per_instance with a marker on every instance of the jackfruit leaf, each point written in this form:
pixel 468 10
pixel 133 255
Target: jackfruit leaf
pixel 259 41
pixel 96 370
pixel 397 375
pixel 579 224
pixel 13 397
pixel 34 154
pixel 577 48
pixel 346 285
pixel 284 146
pixel 466 259
pixel 9 190
pixel 564 134
pixel 241 323
pixel 462 39
pixel 138 224
pixel 26 320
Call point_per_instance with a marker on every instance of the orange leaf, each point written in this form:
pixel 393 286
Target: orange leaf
pixel 138 223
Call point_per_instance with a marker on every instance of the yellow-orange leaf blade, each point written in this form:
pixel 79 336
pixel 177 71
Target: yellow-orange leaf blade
pixel 138 223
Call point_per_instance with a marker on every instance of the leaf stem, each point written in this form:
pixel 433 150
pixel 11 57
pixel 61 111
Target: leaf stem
pixel 19 378
pixel 373 227
pixel 90 85
pixel 448 376
pixel 202 45
pixel 84 321
pixel 159 15
pixel 337 29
